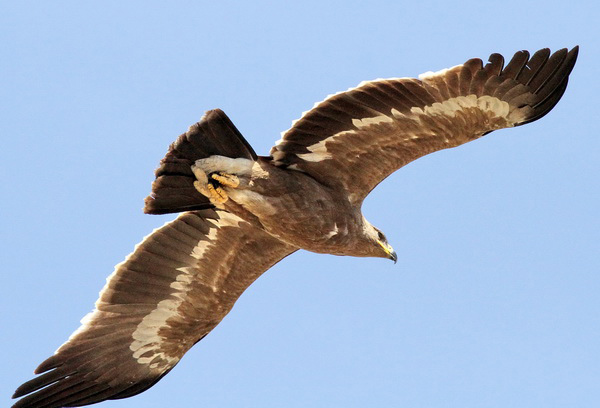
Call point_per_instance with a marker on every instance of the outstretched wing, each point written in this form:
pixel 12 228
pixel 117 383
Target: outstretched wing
pixel 175 287
pixel 354 139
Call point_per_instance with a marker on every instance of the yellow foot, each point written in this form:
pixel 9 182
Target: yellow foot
pixel 225 179
pixel 217 194
pixel 212 187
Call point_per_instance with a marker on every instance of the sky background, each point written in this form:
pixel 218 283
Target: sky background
pixel 494 301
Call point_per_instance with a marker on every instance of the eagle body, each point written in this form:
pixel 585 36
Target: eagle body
pixel 315 217
pixel 240 213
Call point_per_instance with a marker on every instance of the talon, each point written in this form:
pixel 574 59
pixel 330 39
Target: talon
pixel 217 194
pixel 228 180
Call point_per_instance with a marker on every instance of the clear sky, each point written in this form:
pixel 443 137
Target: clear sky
pixel 494 301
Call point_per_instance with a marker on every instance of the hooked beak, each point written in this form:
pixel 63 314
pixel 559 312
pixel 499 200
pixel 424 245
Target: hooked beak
pixel 391 254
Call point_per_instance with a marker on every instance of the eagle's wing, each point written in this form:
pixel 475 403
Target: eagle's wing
pixel 354 139
pixel 175 287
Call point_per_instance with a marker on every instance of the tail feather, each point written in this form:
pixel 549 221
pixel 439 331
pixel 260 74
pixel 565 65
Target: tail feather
pixel 173 190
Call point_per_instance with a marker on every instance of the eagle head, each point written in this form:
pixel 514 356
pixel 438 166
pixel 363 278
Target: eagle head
pixel 382 248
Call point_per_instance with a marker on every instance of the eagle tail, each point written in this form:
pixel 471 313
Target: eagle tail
pixel 173 189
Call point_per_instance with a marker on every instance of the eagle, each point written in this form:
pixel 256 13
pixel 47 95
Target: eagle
pixel 240 213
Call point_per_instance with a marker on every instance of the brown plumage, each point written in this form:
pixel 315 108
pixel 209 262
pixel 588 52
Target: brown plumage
pixel 242 213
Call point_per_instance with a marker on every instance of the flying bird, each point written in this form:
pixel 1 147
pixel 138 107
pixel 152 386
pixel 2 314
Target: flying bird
pixel 241 213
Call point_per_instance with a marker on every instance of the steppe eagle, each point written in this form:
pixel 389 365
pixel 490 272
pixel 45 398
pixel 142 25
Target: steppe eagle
pixel 242 213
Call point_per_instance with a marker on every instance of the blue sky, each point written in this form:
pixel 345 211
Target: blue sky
pixel 494 300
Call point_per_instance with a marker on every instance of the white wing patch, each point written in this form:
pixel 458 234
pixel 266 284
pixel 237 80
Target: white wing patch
pixel 375 120
pixel 318 151
pixel 147 342
pixel 488 104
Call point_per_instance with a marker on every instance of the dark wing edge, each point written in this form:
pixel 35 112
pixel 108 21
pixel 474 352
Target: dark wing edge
pixel 354 139
pixel 175 287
